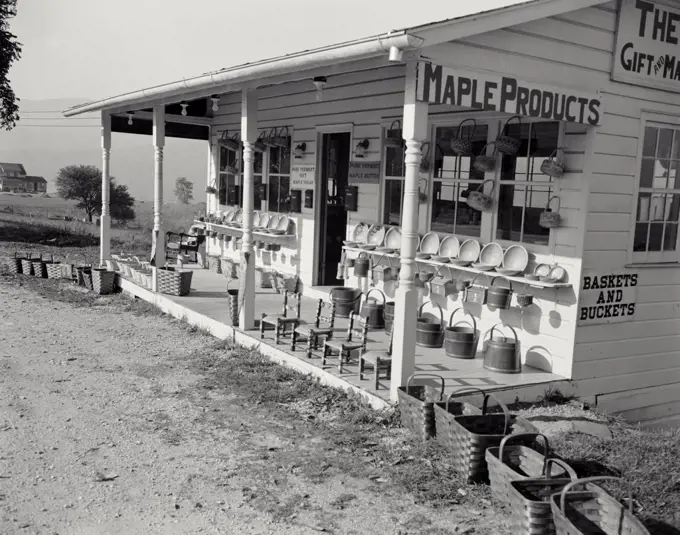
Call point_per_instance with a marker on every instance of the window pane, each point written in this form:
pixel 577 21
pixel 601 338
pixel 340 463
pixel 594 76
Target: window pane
pixel 510 203
pixel 285 160
pixel 450 212
pixel 224 156
pixel 449 165
pixel 673 178
pixel 223 189
pixel 284 192
pixel 665 144
pixel 644 201
pixel 658 207
pixel 393 198
pixel 670 239
pixel 257 179
pixel 640 240
pixel 655 234
pixel 394 161
pixel 647 172
pixel 649 145
pixel 673 208
pixel 273 194
pixel 274 160
pixel 258 162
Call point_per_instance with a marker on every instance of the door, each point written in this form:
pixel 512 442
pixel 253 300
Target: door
pixel 333 217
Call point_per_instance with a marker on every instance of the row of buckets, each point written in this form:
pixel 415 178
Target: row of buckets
pixel 458 338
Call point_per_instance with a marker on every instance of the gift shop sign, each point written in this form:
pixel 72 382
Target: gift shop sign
pixel 490 92
pixel 302 176
pixel 608 298
pixel 647 49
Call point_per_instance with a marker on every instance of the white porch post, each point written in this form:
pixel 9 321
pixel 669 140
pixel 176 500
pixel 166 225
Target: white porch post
pixel 406 298
pixel 105 219
pixel 247 275
pixel 158 232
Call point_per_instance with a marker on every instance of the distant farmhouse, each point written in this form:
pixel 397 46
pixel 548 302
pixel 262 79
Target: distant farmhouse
pixel 13 178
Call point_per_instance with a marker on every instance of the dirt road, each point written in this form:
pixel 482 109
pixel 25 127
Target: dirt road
pixel 115 422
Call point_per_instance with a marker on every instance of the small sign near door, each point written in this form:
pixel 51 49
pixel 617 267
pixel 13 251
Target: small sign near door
pixel 364 173
pixel 302 176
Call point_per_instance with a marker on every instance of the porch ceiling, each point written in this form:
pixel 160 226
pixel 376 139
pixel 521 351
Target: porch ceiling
pixel 172 129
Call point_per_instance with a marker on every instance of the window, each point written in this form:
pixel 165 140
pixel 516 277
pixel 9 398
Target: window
pixel 395 170
pixel 524 191
pixel 229 176
pixel 279 178
pixel 655 237
pixel 454 176
pixel 257 179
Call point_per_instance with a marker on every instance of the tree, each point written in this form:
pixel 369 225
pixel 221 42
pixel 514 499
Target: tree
pixel 10 51
pixel 83 183
pixel 184 190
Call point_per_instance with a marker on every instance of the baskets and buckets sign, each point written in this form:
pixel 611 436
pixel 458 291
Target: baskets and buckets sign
pixel 647 51
pixel 607 298
pixel 490 92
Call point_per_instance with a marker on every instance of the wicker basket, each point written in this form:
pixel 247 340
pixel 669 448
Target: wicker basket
pixel 215 264
pixel 520 461
pixel 85 276
pixel 480 201
pixel 27 265
pixel 549 219
pixel 524 300
pixel 173 281
pixel 460 145
pixel 287 283
pixel 68 270
pixel 553 166
pixel 529 504
pixel 232 297
pixel 103 281
pixel 40 266
pixel 416 405
pixel 263 278
pixel 506 144
pixel 468 436
pixel 229 268
pixel 593 510
pixel 485 163
pixel 15 266
pixel 53 269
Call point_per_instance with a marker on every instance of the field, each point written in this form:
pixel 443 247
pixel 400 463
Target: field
pixel 43 219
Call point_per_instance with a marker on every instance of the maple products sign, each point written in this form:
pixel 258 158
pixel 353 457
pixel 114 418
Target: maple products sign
pixel 647 45
pixel 488 92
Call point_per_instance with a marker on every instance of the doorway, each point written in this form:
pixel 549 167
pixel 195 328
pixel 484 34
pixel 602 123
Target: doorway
pixel 335 156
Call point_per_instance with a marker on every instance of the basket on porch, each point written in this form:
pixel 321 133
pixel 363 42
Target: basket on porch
pixel 262 278
pixel 553 166
pixel 468 436
pixel 229 268
pixel 416 405
pixel 15 263
pixel 286 283
pixel 485 163
pixel 102 280
pixel 593 510
pixel 383 273
pixel 480 201
pixel 215 264
pixel 173 281
pixel 53 269
pixel 549 219
pixel 506 144
pixel 460 145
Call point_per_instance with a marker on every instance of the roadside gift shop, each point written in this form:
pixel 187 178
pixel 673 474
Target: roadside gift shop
pixel 511 173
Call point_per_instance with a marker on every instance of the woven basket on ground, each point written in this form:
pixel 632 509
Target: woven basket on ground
pixel 529 503
pixel 416 405
pixel 40 266
pixel 15 266
pixel 516 458
pixel 53 269
pixel 85 276
pixel 173 281
pixel 468 436
pixel 215 264
pixel 103 281
pixel 262 278
pixel 27 265
pixel 593 511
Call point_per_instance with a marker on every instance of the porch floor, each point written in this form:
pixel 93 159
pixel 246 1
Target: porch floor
pixel 208 297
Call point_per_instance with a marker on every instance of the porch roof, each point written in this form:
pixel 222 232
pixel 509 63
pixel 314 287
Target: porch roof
pixel 511 12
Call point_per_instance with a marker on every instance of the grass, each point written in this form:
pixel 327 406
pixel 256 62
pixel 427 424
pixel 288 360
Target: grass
pixel 371 444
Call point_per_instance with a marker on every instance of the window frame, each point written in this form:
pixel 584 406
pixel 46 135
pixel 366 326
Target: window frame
pixel 489 225
pixel 384 128
pixel 640 258
pixel 269 175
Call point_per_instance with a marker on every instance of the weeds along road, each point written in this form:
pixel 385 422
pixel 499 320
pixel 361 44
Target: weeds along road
pixel 114 419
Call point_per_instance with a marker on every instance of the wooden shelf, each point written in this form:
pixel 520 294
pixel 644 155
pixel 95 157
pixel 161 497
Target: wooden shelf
pixel 236 231
pixel 491 273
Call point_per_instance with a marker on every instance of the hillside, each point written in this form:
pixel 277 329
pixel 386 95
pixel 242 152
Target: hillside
pixel 44 142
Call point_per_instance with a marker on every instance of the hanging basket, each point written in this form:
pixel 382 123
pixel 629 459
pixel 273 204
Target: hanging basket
pixel 429 331
pixel 498 297
pixel 480 201
pixel 416 405
pixel 460 145
pixel 593 510
pixel 440 285
pixel 231 143
pixel 506 144
pixel 394 142
pixel 485 163
pixel 383 273
pixel 269 139
pixel 15 266
pixel 554 166
pixel 281 139
pixel 259 145
pixel 475 294
pixel 425 163
pixel 210 190
pixel 549 219
pixel 524 300
pixel 460 338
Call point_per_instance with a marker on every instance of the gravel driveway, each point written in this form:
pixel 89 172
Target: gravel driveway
pixel 111 422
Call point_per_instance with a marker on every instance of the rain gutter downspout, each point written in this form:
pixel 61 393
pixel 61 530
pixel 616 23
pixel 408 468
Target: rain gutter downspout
pixel 364 49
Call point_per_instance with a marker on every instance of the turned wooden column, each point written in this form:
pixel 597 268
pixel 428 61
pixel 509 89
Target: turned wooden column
pixel 158 232
pixel 105 219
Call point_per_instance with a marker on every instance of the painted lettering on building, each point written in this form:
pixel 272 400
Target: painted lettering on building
pixel 648 45
pixel 608 298
pixel 441 85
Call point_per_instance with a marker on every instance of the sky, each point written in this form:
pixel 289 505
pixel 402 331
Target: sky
pixel 97 48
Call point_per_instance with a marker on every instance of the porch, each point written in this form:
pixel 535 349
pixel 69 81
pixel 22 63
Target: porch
pixel 207 307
